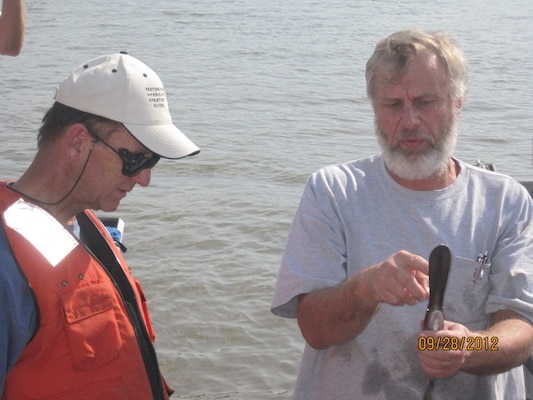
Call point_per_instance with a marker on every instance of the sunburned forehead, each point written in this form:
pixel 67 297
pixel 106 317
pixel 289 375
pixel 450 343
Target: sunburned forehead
pixel 423 76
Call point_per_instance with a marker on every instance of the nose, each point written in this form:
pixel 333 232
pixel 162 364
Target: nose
pixel 410 117
pixel 143 177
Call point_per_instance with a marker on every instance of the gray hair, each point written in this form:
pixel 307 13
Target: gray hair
pixel 59 117
pixel 393 54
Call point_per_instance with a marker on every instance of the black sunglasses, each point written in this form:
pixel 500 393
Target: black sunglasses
pixel 132 163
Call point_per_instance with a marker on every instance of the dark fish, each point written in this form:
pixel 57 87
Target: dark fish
pixel 439 266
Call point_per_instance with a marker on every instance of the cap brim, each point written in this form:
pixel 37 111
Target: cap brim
pixel 165 140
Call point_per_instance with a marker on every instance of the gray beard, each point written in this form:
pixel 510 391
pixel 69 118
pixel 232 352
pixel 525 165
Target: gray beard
pixel 430 162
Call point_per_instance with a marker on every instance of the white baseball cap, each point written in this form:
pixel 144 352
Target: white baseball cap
pixel 123 89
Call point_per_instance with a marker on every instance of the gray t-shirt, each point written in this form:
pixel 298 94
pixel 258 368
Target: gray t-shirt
pixel 354 215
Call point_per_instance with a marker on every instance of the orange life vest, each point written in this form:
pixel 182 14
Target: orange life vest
pixel 94 339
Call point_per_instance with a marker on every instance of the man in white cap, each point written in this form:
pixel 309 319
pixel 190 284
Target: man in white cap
pixel 74 322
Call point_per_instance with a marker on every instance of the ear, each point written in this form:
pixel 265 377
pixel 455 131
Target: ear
pixel 78 140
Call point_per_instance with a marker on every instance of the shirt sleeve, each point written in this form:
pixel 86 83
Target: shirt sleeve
pixel 18 315
pixel 512 263
pixel 315 253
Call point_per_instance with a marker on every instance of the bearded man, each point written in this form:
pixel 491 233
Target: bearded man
pixel 355 272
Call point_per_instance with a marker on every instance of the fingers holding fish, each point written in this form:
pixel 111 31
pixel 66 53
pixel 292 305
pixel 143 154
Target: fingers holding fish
pixel 442 353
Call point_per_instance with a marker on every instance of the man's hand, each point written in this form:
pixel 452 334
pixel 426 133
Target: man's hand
pixel 506 343
pixel 400 279
pixel 336 315
pixel 442 353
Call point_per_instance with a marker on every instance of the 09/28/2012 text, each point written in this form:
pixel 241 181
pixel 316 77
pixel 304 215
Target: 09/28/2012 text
pixel 452 343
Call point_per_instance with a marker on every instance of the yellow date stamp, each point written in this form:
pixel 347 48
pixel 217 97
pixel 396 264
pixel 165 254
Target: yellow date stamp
pixel 453 343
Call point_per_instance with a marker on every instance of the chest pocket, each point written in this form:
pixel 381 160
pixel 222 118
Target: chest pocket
pixel 467 292
pixel 92 329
